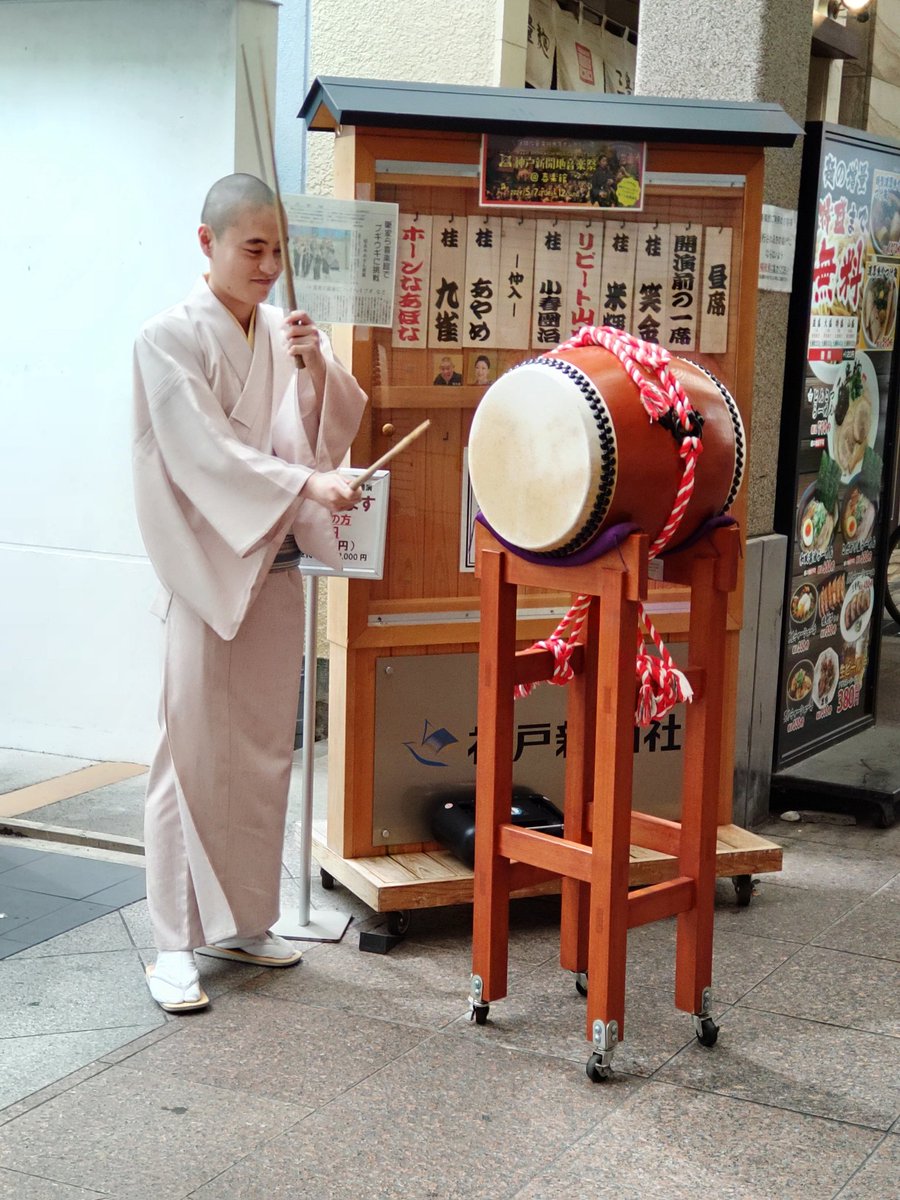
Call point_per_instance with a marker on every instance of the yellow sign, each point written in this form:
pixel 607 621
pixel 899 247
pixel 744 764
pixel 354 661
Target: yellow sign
pixel 628 192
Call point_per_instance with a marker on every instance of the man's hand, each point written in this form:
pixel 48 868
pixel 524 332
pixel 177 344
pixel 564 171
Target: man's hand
pixel 331 490
pixel 302 336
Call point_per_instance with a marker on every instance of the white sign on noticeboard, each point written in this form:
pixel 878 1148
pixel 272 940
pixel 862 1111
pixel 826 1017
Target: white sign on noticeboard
pixel 778 237
pixel 360 533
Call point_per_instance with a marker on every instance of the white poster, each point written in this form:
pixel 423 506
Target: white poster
pixel 360 533
pixel 343 255
pixel 778 236
pixel 468 510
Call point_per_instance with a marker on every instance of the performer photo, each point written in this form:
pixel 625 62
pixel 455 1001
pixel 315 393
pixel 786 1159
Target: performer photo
pixel 240 420
pixel 447 375
pixel 482 370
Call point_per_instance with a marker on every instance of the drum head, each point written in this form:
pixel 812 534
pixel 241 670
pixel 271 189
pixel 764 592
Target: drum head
pixel 536 461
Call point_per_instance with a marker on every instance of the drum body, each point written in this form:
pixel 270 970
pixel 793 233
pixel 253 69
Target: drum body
pixel 561 448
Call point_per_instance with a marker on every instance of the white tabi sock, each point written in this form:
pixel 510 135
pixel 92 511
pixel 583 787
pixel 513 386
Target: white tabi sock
pixel 178 968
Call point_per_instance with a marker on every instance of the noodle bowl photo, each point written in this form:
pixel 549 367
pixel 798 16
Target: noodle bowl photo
pixel 886 221
pixel 878 313
pixel 854 415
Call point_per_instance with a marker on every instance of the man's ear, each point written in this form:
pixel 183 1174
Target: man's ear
pixel 207 239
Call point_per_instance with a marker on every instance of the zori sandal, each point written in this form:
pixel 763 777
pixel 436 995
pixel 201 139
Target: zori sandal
pixel 174 991
pixel 266 950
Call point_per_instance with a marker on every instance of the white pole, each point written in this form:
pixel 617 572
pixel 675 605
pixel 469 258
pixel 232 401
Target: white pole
pixel 301 923
pixel 308 752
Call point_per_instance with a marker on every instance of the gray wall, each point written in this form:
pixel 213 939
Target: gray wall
pixel 754 50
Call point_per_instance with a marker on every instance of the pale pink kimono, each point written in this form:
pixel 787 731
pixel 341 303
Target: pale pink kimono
pixel 225 438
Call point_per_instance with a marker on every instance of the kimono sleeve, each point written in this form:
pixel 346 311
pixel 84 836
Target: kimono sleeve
pixel 241 492
pixel 318 432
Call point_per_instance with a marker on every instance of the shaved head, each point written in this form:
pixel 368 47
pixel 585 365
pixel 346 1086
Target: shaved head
pixel 229 197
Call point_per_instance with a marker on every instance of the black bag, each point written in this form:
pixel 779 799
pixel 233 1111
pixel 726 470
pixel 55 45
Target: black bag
pixel 452 814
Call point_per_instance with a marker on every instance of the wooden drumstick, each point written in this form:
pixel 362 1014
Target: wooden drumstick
pixel 279 210
pixel 394 450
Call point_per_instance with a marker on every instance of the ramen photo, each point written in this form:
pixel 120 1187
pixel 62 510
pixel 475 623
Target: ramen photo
pixel 816 526
pixel 858 516
pixel 854 416
pixel 886 221
pixel 878 313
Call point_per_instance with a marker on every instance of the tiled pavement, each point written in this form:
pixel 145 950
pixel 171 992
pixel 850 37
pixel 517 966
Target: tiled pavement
pixel 357 1075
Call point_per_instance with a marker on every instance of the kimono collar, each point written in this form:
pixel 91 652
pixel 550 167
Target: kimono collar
pixel 225 326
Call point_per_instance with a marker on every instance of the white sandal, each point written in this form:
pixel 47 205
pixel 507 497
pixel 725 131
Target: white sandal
pixel 268 950
pixel 175 992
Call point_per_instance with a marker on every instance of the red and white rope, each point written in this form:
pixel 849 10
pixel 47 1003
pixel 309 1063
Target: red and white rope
pixel 660 684
pixel 658 396
pixel 560 643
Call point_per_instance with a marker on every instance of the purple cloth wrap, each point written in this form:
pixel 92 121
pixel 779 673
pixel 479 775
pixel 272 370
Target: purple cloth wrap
pixel 720 522
pixel 607 540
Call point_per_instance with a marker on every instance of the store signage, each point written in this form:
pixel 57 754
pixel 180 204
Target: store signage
pixel 834 511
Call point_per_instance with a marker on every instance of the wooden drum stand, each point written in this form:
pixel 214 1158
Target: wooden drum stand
pixel 592 857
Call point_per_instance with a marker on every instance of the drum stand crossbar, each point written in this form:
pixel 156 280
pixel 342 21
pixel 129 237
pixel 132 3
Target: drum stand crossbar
pixel 592 857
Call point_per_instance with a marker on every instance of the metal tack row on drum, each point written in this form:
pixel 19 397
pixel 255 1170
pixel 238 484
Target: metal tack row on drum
pixel 561 448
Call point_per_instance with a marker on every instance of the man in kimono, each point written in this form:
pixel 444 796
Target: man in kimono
pixel 235 449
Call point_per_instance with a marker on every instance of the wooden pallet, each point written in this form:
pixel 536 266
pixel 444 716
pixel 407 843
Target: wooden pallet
pixel 433 878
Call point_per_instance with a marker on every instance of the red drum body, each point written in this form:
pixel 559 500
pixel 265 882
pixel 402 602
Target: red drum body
pixel 562 448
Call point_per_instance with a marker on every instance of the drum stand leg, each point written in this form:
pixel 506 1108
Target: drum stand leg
pixel 493 786
pixel 610 858
pixel 581 720
pixel 703 737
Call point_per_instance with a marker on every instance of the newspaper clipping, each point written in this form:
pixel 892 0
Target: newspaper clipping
pixel 343 257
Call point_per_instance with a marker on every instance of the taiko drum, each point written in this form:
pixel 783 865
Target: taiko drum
pixel 561 448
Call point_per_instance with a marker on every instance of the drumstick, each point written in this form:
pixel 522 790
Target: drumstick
pixel 385 458
pixel 279 210
pixel 259 150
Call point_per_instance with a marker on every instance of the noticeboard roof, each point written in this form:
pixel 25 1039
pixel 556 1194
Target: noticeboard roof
pixel 334 101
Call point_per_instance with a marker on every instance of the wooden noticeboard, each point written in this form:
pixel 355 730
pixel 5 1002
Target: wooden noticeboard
pixel 706 191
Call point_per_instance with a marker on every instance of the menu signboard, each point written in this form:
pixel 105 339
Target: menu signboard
pixel 838 424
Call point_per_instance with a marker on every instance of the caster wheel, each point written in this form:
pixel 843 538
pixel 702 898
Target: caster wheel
pixel 398 922
pixel 327 880
pixel 743 889
pixel 597 1073
pixel 883 816
pixel 708 1033
pixel 581 983
pixel 480 1013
